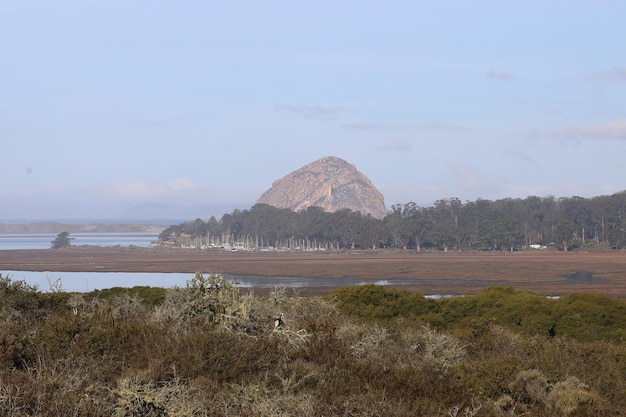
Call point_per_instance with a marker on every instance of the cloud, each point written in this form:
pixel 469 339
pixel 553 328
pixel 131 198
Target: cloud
pixel 612 130
pixel 498 75
pixel 471 180
pixel 137 198
pixel 156 123
pixel 367 126
pixel 140 189
pixel 311 111
pixel 511 153
pixel 429 125
pixel 397 146
pixel 611 75
pixel 441 126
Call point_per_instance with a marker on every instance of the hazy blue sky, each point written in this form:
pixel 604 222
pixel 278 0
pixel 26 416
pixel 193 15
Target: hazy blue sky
pixel 186 109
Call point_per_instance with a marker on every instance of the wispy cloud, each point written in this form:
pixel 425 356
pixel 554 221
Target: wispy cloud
pixel 520 156
pixel 157 122
pixel 140 189
pixel 311 111
pixel 429 125
pixel 441 126
pixel 498 75
pixel 611 75
pixel 368 126
pixel 471 180
pixel 397 146
pixel 612 130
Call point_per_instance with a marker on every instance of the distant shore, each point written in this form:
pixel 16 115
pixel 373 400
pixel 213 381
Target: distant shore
pixel 548 273
pixel 95 227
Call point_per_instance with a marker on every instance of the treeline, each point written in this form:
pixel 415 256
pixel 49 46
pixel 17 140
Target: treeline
pixel 507 224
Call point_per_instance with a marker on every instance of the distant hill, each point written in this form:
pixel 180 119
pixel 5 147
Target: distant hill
pixel 330 183
pixel 55 227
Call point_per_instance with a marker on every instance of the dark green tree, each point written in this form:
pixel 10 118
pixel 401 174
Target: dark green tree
pixel 63 240
pixel 400 224
pixel 617 238
pixel 564 233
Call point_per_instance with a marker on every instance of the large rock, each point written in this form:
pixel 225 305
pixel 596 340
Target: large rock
pixel 330 183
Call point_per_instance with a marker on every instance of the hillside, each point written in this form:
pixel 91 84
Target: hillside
pixel 330 183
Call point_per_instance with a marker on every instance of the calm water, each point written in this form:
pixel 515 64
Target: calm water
pixel 10 241
pixel 89 281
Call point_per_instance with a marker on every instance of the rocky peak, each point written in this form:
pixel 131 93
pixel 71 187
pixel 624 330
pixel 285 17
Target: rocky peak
pixel 330 183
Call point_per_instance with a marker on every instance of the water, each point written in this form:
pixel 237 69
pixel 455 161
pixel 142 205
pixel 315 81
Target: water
pixel 11 241
pixel 160 222
pixel 583 277
pixel 89 281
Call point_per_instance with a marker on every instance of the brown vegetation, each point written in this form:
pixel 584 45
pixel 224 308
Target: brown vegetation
pixel 445 273
pixel 207 350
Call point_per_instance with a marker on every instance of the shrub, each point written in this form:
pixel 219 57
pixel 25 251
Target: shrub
pixel 377 303
pixel 19 295
pixel 138 400
pixel 530 387
pixel 441 350
pixel 210 300
pixel 208 350
pixel 569 395
pixel 150 296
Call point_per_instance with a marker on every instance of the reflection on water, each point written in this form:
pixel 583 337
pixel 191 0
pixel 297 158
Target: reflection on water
pixel 12 241
pixel 89 281
pixel 253 281
pixel 583 277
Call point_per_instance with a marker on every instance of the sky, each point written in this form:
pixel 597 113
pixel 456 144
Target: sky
pixel 149 109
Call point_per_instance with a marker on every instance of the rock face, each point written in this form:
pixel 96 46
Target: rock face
pixel 330 183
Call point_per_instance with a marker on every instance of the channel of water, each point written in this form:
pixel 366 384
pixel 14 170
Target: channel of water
pixel 89 281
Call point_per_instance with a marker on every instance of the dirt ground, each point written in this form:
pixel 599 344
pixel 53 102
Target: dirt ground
pixel 433 273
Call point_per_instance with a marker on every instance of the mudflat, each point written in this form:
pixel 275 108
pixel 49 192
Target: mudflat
pixel 544 272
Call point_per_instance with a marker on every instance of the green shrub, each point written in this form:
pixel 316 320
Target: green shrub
pixel 150 296
pixel 375 302
pixel 207 350
pixel 19 295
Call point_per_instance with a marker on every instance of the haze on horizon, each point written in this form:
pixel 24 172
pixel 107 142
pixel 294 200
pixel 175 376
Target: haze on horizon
pixel 154 109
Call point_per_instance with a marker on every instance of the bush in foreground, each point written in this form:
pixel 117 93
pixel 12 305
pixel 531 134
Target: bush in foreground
pixel 207 350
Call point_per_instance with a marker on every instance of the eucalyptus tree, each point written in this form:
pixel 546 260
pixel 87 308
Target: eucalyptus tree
pixel 475 215
pixel 617 238
pixel 313 223
pixel 533 215
pixel 347 227
pixel 371 232
pixel 401 225
pixel 445 231
pixel 565 233
pixel 578 210
pixel 233 224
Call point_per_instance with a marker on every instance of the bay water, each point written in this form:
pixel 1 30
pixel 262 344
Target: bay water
pixel 12 241
pixel 89 281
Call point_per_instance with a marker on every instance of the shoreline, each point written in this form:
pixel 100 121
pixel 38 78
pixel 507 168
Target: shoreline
pixel 448 273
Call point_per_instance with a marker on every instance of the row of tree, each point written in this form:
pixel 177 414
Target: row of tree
pixel 507 224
